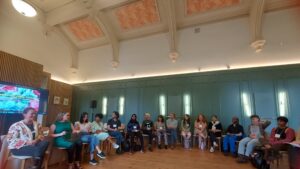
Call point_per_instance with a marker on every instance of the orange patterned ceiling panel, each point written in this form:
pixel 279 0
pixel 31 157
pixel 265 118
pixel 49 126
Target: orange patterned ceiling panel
pixel 197 6
pixel 85 29
pixel 137 14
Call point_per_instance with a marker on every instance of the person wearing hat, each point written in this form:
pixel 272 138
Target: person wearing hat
pixel 280 136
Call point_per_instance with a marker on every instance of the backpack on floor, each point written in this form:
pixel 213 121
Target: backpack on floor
pixel 258 161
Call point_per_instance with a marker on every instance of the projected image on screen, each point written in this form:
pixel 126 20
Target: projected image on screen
pixel 14 99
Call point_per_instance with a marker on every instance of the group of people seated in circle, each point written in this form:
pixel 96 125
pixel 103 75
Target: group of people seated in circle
pixel 25 139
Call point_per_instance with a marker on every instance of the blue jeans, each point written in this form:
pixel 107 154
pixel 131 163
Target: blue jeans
pixel 247 145
pixel 230 141
pixel 117 135
pixel 173 138
pixel 92 140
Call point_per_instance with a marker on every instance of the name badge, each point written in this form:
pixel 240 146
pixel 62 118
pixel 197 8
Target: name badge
pixel 277 135
pixel 161 128
pixel 134 127
pixel 200 125
pixel 114 126
pixel 187 125
pixel 213 128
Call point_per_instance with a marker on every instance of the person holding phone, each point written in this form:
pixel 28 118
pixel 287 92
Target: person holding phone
pixel 24 139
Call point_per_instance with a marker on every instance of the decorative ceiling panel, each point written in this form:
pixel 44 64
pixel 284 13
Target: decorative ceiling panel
pixel 85 29
pixel 198 6
pixel 138 14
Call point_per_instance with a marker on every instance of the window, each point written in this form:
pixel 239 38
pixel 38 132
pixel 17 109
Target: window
pixel 121 105
pixel 282 103
pixel 162 105
pixel 246 103
pixel 104 105
pixel 187 104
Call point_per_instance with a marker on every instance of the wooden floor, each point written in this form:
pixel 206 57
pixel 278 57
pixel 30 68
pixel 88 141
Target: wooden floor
pixel 168 159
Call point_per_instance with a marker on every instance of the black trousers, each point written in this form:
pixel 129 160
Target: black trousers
pixel 213 137
pixel 139 136
pixel 75 149
pixel 37 152
pixel 150 134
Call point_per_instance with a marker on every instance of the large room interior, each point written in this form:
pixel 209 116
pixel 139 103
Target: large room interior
pixel 229 58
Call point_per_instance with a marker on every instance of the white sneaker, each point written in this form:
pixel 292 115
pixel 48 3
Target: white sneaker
pixel 215 144
pixel 115 146
pixel 212 150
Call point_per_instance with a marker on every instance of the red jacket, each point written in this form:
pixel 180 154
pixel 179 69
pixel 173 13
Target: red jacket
pixel 290 136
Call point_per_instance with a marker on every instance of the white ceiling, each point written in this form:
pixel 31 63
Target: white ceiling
pixel 224 39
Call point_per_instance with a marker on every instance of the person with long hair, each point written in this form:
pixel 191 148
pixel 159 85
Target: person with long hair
pixel 134 130
pixel 160 128
pixel 114 126
pixel 200 130
pixel 214 130
pixel 172 125
pixel 186 131
pixel 24 139
pixel 62 131
pixel 86 136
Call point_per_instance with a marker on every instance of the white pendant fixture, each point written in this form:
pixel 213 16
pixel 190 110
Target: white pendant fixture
pixel 24 8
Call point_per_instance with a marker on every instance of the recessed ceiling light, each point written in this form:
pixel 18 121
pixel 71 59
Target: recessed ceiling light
pixel 24 8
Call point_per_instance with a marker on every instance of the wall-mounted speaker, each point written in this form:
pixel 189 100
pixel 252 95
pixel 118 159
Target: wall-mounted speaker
pixel 93 104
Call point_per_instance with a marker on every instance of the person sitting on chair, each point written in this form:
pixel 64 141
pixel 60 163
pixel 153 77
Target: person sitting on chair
pixel 114 126
pixel 62 131
pixel 160 128
pixel 147 128
pixel 186 131
pixel 85 128
pixel 256 132
pixel 214 131
pixel 294 153
pixel 280 136
pixel 99 131
pixel 134 130
pixel 234 133
pixel 24 139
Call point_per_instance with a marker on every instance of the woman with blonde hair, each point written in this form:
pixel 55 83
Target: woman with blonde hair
pixel 201 131
pixel 62 131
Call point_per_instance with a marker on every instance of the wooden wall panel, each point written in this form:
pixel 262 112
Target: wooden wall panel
pixel 61 90
pixel 20 71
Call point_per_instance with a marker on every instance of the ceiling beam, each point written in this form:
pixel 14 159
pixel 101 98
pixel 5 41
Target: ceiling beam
pixel 256 19
pixel 42 18
pixel 100 19
pixel 107 28
pixel 169 6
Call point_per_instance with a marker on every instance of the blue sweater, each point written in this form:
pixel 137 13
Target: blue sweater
pixel 130 126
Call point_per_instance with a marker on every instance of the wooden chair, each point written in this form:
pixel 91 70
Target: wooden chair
pixel 85 150
pixel 4 153
pixel 23 159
